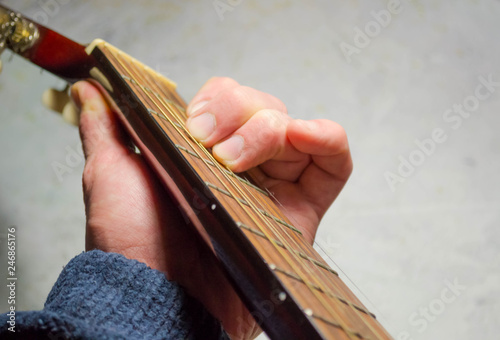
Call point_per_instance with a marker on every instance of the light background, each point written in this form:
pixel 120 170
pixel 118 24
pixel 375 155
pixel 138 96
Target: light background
pixel 399 247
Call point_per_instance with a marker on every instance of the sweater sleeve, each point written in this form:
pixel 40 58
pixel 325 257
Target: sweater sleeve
pixel 107 296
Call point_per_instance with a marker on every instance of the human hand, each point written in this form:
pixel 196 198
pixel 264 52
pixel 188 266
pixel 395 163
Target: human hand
pixel 129 212
pixel 305 164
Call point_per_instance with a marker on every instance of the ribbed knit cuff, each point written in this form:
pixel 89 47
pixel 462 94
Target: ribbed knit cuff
pixel 106 296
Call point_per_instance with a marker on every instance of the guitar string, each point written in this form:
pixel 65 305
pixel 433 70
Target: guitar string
pixel 284 231
pixel 330 279
pixel 355 307
pixel 170 110
pixel 180 134
pixel 327 290
pixel 287 247
pixel 229 179
pixel 167 94
pixel 372 323
pixel 379 313
pixel 171 113
pixel 157 104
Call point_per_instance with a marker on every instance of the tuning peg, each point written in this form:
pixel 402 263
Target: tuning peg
pixel 60 102
pixel 56 100
pixel 71 114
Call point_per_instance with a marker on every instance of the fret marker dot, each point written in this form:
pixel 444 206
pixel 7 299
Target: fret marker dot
pixel 282 296
pixel 308 311
pixel 213 206
pixel 272 266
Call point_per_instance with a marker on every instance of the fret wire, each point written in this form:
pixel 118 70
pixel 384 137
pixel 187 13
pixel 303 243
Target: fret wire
pixel 160 97
pixel 333 284
pixel 225 192
pixel 180 108
pixel 332 295
pixel 178 101
pixel 303 255
pixel 166 117
pixel 263 212
pixel 356 309
pixel 170 111
pixel 284 256
pixel 354 306
pixel 226 171
pixel 334 324
pixel 329 293
pixel 174 123
pixel 302 240
pixel 342 291
pixel 330 282
pixel 230 173
pixel 321 285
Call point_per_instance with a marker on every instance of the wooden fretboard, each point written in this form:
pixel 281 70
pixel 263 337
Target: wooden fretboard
pixel 279 275
pixel 289 289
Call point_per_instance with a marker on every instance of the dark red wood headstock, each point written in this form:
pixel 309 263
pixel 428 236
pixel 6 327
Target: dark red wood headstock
pixel 45 48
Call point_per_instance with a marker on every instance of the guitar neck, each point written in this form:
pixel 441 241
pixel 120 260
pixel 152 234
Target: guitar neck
pixel 279 276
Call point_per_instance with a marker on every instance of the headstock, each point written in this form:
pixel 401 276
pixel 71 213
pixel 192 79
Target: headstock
pixel 16 33
pixel 49 50
pixel 44 47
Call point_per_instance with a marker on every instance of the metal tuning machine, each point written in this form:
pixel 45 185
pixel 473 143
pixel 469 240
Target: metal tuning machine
pixel 19 34
pixel 6 29
pixel 16 33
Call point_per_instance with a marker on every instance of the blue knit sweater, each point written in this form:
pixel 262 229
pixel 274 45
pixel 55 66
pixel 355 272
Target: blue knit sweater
pixel 106 296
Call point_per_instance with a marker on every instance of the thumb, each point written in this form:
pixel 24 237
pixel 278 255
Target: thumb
pixel 99 129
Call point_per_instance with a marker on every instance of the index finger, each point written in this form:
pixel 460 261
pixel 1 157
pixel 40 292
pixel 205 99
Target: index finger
pixel 209 90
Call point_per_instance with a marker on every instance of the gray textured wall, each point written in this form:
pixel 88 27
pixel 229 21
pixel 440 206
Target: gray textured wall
pixel 400 84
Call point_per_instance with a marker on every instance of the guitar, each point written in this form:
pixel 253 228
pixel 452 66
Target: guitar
pixel 276 272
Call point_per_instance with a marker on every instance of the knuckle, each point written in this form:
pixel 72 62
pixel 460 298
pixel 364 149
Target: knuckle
pixel 223 81
pixel 239 95
pixel 88 174
pixel 265 133
pixel 269 126
pixel 275 120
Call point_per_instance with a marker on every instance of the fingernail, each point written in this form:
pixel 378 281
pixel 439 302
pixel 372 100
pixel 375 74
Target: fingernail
pixel 196 107
pixel 229 150
pixel 201 127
